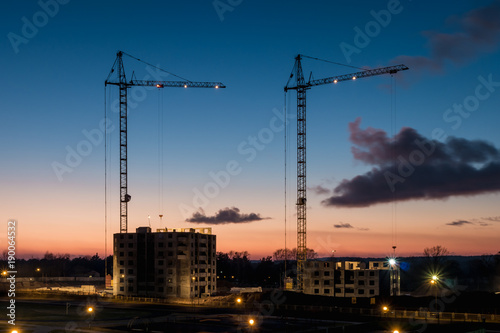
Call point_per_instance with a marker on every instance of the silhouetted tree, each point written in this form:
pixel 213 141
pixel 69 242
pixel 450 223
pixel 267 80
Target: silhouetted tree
pixel 279 254
pixel 436 257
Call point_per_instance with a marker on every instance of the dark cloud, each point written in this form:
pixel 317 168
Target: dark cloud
pixel 343 225
pixel 475 32
pixel 225 216
pixel 319 190
pixel 410 166
pixel 491 218
pixel 459 223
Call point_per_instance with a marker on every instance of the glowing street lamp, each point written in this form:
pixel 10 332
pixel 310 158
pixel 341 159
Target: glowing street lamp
pixel 434 282
pixel 238 300
pixel 90 309
pixel 251 322
pixel 4 273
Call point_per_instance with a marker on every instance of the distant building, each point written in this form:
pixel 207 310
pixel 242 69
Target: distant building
pixel 169 262
pixel 345 278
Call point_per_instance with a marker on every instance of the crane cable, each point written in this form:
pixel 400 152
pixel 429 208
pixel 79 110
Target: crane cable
pixel 105 190
pixel 285 144
pixel 158 68
pixel 107 179
pixel 160 154
pixel 393 133
pixel 333 62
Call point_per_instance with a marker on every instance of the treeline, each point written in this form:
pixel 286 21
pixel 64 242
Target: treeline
pixel 60 265
pixel 235 269
pixel 476 272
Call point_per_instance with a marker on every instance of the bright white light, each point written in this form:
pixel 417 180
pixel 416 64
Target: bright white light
pixel 251 321
pixel 392 261
pixel 335 81
pixel 354 78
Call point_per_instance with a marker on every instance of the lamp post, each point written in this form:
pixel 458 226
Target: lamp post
pixel 41 274
pixel 434 282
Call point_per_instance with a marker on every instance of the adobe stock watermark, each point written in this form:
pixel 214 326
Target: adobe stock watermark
pixel 86 310
pixel 223 6
pixel 264 308
pixel 94 137
pixel 10 273
pixel 31 27
pixel 438 306
pixel 363 37
pixel 454 116
pixel 249 150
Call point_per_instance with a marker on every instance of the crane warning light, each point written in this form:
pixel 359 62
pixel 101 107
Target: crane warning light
pixel 335 81
pixel 216 87
pixel 185 86
pixel 354 78
pixel 159 85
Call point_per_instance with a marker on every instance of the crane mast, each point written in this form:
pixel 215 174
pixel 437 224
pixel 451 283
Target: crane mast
pixel 301 86
pixel 124 85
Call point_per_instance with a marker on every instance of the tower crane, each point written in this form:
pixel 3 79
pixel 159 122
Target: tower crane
pixel 301 86
pixel 123 85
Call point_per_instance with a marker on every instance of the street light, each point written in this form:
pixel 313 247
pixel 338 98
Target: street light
pixel 385 311
pixel 4 273
pixel 434 282
pixel 238 300
pixel 251 322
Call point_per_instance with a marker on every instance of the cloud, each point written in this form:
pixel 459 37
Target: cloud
pixel 342 225
pixel 459 223
pixel 319 190
pixel 492 218
pixel 410 166
pixel 225 216
pixel 476 32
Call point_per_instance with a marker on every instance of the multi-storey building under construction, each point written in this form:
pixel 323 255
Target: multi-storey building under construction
pixel 167 263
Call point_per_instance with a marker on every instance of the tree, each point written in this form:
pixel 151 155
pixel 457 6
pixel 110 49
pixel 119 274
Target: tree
pixel 279 254
pixel 436 252
pixel 436 257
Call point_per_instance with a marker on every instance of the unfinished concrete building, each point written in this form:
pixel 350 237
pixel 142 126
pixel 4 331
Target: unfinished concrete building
pixel 167 263
pixel 343 278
